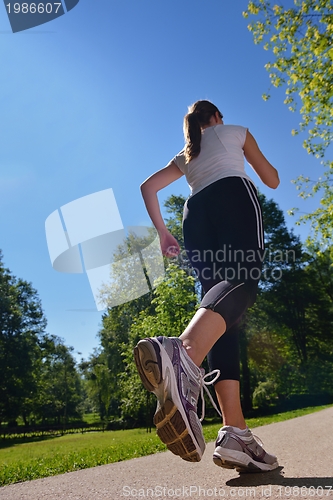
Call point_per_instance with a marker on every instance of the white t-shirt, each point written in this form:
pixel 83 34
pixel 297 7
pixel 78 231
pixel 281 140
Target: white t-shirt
pixel 221 156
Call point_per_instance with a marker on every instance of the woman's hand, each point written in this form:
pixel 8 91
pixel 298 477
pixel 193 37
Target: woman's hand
pixel 169 245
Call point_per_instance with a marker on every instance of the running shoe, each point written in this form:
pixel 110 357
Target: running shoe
pixel 166 370
pixel 243 452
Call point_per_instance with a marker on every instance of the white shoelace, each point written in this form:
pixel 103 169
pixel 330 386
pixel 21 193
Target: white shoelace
pixel 204 384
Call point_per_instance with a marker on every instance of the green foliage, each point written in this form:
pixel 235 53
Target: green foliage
pixel 264 394
pixel 174 205
pixel 38 375
pixel 59 385
pixel 130 279
pixel 174 303
pixel 99 383
pixel 299 305
pixel 166 310
pixel 21 323
pixel 283 249
pixel 321 219
pixel 288 330
pixel 301 41
pixel 136 264
pixel 107 375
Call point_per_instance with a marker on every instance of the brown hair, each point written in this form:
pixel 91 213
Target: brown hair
pixel 199 115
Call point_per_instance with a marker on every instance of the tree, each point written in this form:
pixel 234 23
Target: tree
pixel 38 375
pixel 22 323
pixel 301 39
pixel 302 314
pixel 321 219
pixel 137 262
pixel 288 331
pixel 58 382
pixel 130 278
pixel 283 249
pixel 164 310
pixel 282 253
pixel 174 302
pixel 174 205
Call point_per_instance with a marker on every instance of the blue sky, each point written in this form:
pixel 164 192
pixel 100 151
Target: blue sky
pixel 95 100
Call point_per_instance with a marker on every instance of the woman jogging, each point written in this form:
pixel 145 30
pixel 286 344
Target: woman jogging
pixel 224 240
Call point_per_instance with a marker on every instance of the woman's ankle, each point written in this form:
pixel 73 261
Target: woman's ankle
pixel 191 352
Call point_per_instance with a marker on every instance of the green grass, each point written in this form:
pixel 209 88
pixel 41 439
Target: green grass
pixel 210 431
pixel 49 457
pixel 26 461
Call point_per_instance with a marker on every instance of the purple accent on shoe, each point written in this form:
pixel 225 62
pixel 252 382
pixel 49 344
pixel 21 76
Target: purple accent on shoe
pixel 258 458
pixel 157 351
pixel 171 375
pixel 244 452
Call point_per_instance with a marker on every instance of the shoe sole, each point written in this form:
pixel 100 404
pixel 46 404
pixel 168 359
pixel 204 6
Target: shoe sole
pixel 241 462
pixel 170 419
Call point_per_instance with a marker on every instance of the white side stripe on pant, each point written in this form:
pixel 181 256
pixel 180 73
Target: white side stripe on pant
pixel 225 295
pixel 253 197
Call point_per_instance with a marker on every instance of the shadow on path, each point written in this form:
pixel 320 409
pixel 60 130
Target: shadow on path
pixel 276 477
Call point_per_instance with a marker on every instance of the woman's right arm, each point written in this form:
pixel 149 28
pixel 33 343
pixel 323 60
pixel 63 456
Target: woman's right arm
pixel 149 189
pixel 265 171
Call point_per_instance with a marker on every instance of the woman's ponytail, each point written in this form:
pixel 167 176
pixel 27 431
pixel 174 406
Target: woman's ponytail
pixel 192 134
pixel 198 117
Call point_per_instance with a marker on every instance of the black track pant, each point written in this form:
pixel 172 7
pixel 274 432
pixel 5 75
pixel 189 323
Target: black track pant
pixel 223 234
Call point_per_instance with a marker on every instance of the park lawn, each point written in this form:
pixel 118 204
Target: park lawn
pixel 118 445
pixel 210 431
pixel 71 452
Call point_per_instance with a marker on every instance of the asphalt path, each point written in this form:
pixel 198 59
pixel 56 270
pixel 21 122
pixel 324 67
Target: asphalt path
pixel 304 447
